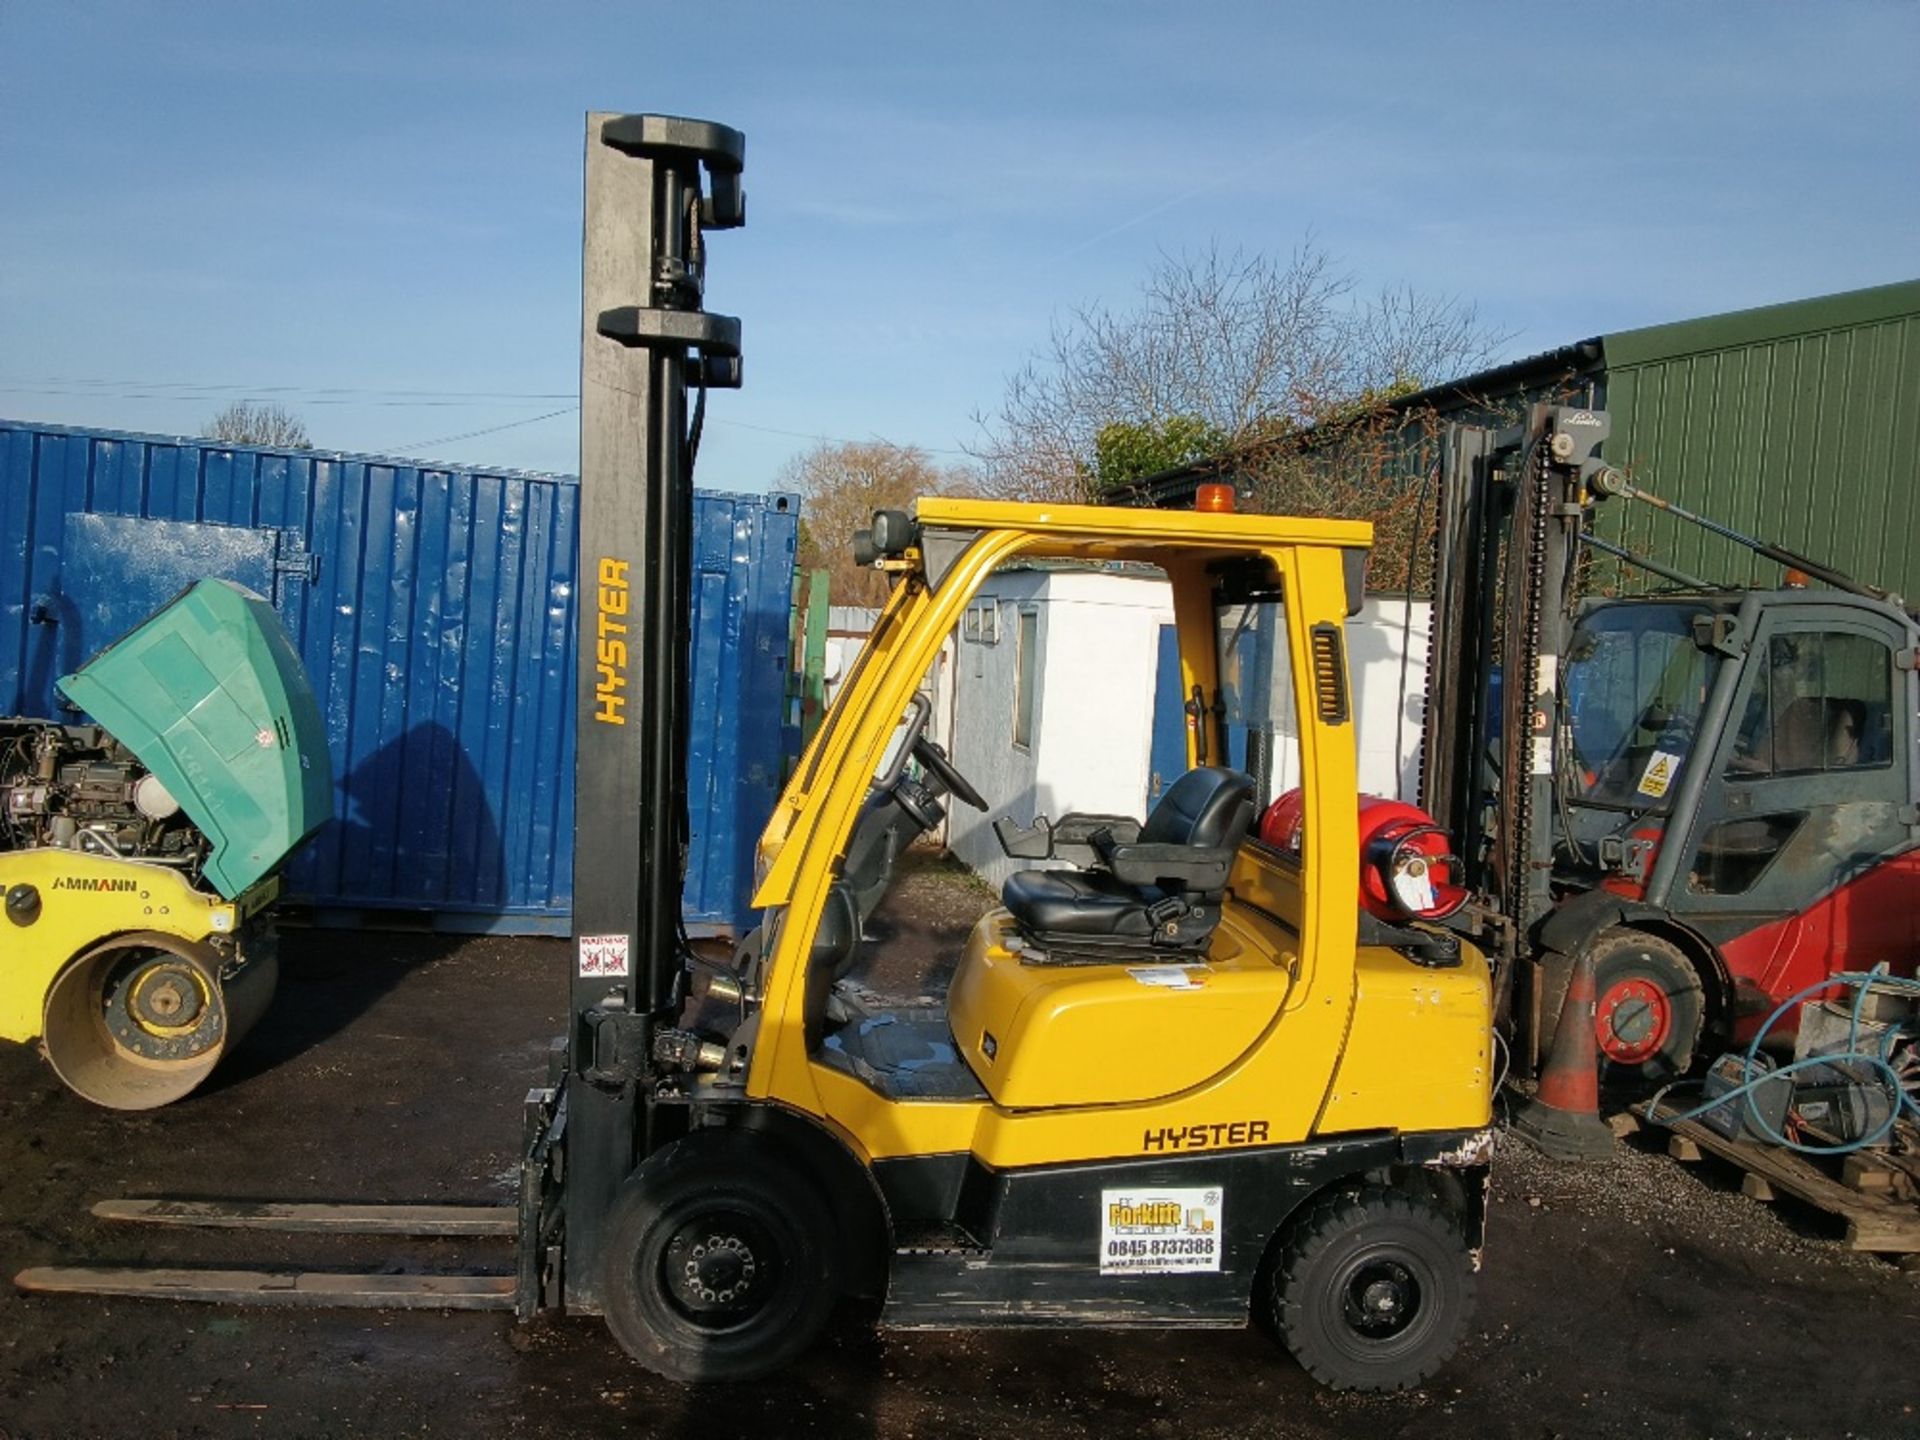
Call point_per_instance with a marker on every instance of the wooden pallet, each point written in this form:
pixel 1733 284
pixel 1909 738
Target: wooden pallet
pixel 1869 1194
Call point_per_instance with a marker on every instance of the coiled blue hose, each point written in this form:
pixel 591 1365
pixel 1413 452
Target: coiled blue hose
pixel 1880 1062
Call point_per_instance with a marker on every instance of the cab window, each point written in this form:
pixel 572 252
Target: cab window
pixel 1823 702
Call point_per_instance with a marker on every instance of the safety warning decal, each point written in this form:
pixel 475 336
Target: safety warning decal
pixel 1658 775
pixel 1160 1232
pixel 1170 977
pixel 603 956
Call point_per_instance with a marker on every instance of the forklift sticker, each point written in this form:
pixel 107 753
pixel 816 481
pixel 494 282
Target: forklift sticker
pixel 1658 775
pixel 610 653
pixel 1160 1232
pixel 603 957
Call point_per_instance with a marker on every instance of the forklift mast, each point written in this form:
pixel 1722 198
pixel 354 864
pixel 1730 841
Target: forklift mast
pixel 645 340
pixel 1510 516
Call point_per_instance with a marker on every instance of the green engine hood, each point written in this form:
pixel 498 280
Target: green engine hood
pixel 209 695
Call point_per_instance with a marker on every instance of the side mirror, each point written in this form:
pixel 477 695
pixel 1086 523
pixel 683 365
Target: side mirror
pixel 864 550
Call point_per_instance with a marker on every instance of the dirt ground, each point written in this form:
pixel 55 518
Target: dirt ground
pixel 1632 1298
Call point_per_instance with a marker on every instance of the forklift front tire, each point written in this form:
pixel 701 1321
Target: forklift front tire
pixel 1374 1289
pixel 719 1262
pixel 1649 1013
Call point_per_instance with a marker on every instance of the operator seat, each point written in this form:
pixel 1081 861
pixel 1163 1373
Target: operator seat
pixel 1159 891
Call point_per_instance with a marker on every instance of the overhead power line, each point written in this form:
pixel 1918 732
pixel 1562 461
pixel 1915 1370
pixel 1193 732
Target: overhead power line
pixel 179 391
pixel 189 389
pixel 470 434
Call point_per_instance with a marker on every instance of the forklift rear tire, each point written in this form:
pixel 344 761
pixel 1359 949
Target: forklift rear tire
pixel 1374 1289
pixel 719 1261
pixel 1648 1013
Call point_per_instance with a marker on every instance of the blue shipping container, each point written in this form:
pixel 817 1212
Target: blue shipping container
pixel 434 608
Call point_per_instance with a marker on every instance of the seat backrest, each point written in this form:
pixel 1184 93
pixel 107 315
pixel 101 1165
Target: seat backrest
pixel 1210 807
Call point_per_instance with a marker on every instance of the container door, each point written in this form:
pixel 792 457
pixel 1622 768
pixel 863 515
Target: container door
pixel 117 570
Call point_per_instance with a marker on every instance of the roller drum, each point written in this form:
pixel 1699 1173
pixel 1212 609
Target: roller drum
pixel 140 1020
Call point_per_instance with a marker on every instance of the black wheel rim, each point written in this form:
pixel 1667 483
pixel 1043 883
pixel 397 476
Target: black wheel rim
pixel 1382 1298
pixel 720 1268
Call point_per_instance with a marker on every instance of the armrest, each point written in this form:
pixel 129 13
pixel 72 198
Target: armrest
pixel 1079 829
pixel 1195 867
pixel 1073 838
pixel 1034 842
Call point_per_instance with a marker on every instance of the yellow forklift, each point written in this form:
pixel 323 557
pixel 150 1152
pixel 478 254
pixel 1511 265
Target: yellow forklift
pixel 1178 1079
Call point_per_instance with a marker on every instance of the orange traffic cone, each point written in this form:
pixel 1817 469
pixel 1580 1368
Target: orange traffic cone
pixel 1562 1119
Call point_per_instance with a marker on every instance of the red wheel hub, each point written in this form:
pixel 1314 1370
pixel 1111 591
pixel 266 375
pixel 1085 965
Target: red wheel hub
pixel 1633 1020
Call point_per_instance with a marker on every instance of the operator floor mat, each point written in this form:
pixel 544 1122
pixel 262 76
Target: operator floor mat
pixel 904 1054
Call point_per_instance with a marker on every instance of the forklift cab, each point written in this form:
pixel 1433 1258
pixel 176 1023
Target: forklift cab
pixel 1738 816
pixel 1167 1084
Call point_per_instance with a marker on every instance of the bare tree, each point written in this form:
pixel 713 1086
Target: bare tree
pixel 841 484
pixel 246 422
pixel 1244 346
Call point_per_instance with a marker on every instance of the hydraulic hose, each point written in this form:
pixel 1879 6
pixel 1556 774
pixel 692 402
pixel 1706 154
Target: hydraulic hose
pixel 1878 1062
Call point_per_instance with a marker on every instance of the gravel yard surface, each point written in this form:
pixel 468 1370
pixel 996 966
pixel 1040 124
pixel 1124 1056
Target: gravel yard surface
pixel 1635 1297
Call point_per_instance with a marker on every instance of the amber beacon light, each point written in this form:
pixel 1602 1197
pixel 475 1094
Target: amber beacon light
pixel 1214 498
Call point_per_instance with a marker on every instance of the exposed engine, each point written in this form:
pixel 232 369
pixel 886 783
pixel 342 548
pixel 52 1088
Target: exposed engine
pixel 77 788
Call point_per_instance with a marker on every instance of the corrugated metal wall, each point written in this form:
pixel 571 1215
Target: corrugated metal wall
pixel 1796 423
pixel 434 609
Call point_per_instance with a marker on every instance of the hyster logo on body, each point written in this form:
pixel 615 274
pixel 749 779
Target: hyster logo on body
pixel 80 882
pixel 1205 1137
pixel 610 651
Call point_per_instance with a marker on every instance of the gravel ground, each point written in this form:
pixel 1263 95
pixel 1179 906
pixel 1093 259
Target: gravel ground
pixel 1636 1297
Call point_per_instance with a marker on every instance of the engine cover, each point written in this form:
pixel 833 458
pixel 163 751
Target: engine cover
pixel 209 695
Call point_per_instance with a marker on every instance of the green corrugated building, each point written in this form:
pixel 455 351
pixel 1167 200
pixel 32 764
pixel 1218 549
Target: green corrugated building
pixel 1799 423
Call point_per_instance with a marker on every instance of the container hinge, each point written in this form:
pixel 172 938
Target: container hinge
pixel 1907 659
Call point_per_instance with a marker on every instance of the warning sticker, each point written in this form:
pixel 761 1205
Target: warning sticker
pixel 1160 1232
pixel 603 956
pixel 1416 887
pixel 1172 977
pixel 1658 775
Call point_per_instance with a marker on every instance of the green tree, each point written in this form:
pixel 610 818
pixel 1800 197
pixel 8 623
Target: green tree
pixel 1129 450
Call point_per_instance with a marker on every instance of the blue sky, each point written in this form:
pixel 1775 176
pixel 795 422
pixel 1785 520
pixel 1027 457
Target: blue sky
pixel 371 212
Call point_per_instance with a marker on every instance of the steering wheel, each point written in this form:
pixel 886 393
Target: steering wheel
pixel 935 759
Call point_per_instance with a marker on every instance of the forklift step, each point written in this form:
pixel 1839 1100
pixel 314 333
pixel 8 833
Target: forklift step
pixel 277 1287
pixel 937 1241
pixel 449 1220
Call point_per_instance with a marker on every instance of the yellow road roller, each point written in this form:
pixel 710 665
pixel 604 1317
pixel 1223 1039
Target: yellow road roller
pixel 139 854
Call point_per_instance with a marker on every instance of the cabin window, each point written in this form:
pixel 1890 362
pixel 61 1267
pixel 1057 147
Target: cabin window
pixel 1026 677
pixel 1825 703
